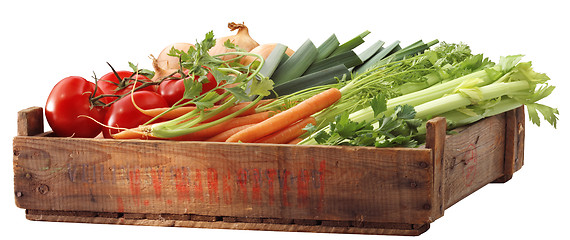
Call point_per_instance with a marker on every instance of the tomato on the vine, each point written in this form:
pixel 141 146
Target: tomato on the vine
pixel 173 90
pixel 70 111
pixel 111 85
pixel 123 114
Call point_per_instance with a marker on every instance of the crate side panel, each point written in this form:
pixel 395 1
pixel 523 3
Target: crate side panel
pixel 219 179
pixel 474 157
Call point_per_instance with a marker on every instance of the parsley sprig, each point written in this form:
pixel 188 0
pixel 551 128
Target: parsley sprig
pixel 398 129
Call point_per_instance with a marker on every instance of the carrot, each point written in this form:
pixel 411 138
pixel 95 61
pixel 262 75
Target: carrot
pixel 134 133
pixel 283 119
pixel 289 133
pixel 229 124
pixel 179 111
pixel 295 141
pixel 236 108
pixel 221 137
pixel 143 132
pixel 172 114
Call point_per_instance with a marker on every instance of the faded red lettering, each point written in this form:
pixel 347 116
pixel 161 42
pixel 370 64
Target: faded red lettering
pixel 181 183
pixel 213 185
pixel 283 175
pixel 303 188
pixel 198 192
pixel 256 189
pixel 470 170
pixel 135 185
pixel 242 182
pixel 270 173
pixel 156 177
pixel 226 188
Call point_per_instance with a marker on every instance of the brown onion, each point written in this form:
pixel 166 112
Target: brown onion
pixel 165 65
pixel 241 39
pixel 263 50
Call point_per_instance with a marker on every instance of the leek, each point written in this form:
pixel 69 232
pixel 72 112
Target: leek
pixel 297 64
pixel 327 47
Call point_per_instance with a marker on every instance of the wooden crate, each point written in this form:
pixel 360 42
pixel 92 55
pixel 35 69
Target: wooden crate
pixel 333 189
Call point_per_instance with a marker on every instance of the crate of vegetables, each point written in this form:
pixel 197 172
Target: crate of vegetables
pixel 265 138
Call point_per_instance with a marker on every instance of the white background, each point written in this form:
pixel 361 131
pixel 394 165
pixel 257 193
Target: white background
pixel 44 41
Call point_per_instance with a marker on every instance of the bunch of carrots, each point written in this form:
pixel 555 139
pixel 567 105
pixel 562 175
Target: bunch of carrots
pixel 250 126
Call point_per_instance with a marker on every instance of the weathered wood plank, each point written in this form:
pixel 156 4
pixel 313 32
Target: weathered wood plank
pixel 234 180
pixel 435 140
pixel 328 227
pixel 473 157
pixel 519 160
pixel 514 143
pixel 30 121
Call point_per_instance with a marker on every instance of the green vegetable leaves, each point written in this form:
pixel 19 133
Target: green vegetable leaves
pixel 397 130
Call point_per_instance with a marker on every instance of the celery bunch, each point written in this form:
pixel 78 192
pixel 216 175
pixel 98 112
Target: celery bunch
pixel 463 100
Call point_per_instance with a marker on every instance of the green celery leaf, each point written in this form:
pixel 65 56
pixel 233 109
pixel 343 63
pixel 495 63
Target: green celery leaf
pixel 507 63
pixel 204 104
pixel 524 71
pixel 405 112
pixel 310 128
pixel 547 112
pixel 378 104
pixel 239 93
pixel 322 137
pixel 192 88
pixel 261 86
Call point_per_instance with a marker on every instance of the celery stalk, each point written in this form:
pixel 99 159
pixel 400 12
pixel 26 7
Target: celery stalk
pixel 433 100
pixel 458 100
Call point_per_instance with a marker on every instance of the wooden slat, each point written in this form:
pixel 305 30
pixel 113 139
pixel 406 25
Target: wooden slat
pixel 435 140
pixel 514 143
pixel 30 121
pixel 473 157
pixel 327 227
pixel 519 160
pixel 233 180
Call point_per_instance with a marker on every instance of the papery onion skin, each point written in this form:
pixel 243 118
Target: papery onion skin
pixel 263 50
pixel 164 64
pixel 242 39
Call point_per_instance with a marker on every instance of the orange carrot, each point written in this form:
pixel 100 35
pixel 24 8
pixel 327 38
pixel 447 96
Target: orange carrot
pixel 143 132
pixel 295 141
pixel 177 112
pixel 135 133
pixel 289 133
pixel 172 114
pixel 219 128
pixel 228 133
pixel 283 119
pixel 236 108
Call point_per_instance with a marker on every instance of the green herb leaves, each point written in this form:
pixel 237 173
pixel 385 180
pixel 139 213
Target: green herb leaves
pixel 396 130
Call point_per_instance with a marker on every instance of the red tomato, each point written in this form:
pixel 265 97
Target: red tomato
pixel 109 84
pixel 173 90
pixel 123 114
pixel 69 110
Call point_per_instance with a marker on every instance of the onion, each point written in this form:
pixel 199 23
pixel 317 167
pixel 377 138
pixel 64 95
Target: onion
pixel 263 50
pixel 165 65
pixel 241 39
